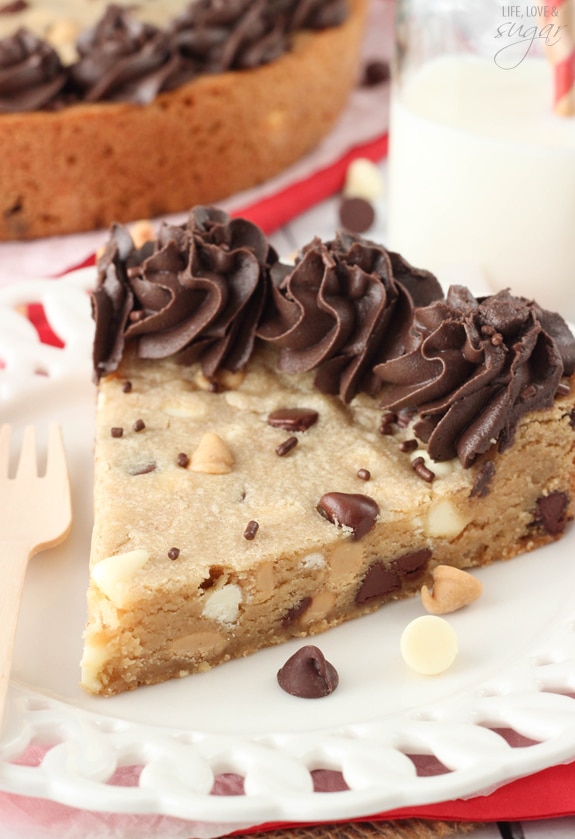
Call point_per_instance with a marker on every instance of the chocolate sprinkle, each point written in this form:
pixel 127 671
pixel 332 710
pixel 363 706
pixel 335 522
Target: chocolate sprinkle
pixel 127 387
pixel 481 487
pixel 286 447
pixel 174 553
pixel 116 431
pixel 183 460
pixel 419 467
pixel 143 469
pixel 364 474
pixel 252 528
pixel 308 674
pixel 139 425
pixel 352 510
pixel 408 445
pixel 293 419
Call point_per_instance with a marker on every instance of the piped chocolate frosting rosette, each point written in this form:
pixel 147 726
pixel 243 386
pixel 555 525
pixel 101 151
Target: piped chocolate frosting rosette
pixel 122 59
pixel 31 74
pixel 475 367
pixel 195 294
pixel 346 305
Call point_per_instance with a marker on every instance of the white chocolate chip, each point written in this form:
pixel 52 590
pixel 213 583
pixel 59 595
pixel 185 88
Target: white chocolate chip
pixel 223 605
pixel 94 657
pixel 363 180
pixel 444 521
pixel 429 645
pixel 452 589
pixel 113 574
pixel 212 456
pixel 316 560
pixel 186 408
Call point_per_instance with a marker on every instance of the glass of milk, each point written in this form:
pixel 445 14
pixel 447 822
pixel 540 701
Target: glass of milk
pixel 481 169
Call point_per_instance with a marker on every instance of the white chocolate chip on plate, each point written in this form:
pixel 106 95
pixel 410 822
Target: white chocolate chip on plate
pixel 363 180
pixel 429 645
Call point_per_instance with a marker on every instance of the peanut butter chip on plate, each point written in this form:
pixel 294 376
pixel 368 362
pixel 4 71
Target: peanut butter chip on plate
pixel 452 589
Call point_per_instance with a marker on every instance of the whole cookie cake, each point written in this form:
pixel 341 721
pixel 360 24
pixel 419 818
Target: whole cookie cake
pixel 127 111
pixel 281 448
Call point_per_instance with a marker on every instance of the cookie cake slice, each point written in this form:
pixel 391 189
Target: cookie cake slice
pixel 282 448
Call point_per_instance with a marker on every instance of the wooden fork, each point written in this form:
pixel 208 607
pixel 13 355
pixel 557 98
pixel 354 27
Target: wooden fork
pixel 35 514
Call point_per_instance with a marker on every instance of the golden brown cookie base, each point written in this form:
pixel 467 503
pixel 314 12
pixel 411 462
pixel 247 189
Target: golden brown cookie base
pixel 88 166
pixel 225 596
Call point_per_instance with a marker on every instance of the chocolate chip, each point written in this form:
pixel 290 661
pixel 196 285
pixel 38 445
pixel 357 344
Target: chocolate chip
pixel 378 582
pixel 286 447
pixel 295 613
pixel 356 214
pixel 481 487
pixel 293 419
pixel 412 563
pixel 183 460
pixel 127 387
pixel 353 510
pixel 252 528
pixel 308 674
pixel 13 8
pixel 139 425
pixel 552 512
pixel 419 467
pixel 174 553
pixel 143 469
pixel 375 72
pixel 364 474
pixel 116 431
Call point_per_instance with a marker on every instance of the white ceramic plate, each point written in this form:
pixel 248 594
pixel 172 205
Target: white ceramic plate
pixel 506 707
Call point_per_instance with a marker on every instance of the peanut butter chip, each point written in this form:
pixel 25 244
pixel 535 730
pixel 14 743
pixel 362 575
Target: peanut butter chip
pixel 429 645
pixel 452 589
pixel 212 456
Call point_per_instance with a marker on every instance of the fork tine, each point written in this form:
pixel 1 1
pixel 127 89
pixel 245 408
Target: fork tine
pixel 27 463
pixel 5 433
pixel 56 462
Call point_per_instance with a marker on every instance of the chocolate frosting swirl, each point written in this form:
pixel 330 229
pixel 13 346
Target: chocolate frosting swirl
pixel 195 294
pixel 346 305
pixel 239 34
pixel 31 74
pixel 122 59
pixel 474 368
